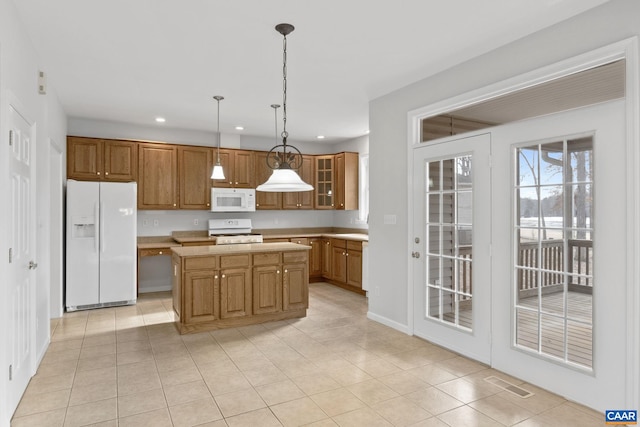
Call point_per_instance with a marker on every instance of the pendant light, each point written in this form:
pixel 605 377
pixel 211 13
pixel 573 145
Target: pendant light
pixel 284 159
pixel 218 173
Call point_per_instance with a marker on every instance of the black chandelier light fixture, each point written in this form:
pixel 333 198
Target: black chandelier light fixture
pixel 284 159
pixel 218 172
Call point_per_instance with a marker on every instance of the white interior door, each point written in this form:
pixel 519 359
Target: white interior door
pixel 559 253
pixel 22 251
pixel 451 245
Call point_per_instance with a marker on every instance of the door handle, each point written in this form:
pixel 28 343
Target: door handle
pixel 415 254
pixel 33 265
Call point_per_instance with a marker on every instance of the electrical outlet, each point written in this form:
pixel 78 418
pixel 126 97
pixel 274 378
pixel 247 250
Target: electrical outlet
pixel 196 222
pixel 145 222
pixel 156 222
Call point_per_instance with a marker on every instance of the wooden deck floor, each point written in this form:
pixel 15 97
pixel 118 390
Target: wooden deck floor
pixel 579 329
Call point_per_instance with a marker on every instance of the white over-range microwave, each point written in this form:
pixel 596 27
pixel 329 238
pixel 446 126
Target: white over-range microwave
pixel 233 199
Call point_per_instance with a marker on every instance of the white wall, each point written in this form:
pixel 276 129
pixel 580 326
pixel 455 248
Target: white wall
pixel 606 24
pixel 19 66
pixel 389 245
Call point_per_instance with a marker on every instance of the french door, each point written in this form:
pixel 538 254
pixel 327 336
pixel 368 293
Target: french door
pixel 559 253
pixel 451 245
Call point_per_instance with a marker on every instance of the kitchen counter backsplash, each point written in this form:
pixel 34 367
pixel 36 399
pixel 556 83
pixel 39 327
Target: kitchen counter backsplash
pixel 163 223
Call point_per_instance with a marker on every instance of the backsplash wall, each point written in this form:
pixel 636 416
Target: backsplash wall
pixel 162 223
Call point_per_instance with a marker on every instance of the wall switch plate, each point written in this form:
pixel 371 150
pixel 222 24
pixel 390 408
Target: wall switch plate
pixel 196 221
pixel 156 223
pixel 390 219
pixel 145 222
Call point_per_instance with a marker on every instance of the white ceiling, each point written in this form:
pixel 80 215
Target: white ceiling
pixel 133 60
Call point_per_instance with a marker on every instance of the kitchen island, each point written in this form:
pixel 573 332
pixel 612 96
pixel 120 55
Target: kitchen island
pixel 225 286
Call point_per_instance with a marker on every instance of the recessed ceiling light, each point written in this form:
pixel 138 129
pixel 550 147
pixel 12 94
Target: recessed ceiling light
pixel 160 119
pixel 320 137
pixel 239 128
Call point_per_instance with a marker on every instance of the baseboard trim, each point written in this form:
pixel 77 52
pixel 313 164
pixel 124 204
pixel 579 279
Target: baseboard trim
pixel 388 322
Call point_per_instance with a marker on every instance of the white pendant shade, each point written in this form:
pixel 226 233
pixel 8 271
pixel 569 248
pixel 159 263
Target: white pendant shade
pixel 285 180
pixel 218 173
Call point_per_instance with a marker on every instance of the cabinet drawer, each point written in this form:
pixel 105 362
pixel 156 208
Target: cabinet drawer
pixel 155 252
pixel 228 261
pixel 266 259
pixel 353 245
pixel 339 243
pixel 300 240
pixel 297 256
pixel 200 263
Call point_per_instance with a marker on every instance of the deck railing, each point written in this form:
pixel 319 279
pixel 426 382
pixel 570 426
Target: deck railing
pixel 551 269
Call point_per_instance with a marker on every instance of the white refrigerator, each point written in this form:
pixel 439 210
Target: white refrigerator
pixel 101 244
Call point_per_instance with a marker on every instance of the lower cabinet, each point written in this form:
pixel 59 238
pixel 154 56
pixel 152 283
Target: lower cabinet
pixel 202 291
pixel 213 292
pixel 346 263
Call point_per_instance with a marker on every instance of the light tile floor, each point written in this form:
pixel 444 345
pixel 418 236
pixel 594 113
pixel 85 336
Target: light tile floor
pixel 128 366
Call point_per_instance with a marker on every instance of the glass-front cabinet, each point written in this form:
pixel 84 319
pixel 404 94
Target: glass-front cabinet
pixel 325 192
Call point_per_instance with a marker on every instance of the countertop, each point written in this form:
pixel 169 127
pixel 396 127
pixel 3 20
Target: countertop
pixel 156 242
pixel 179 237
pixel 237 249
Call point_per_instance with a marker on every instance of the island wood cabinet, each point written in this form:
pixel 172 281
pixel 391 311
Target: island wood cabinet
pixel 230 290
pixel 238 167
pixel 235 286
pixel 280 282
pixel 194 171
pixel 157 176
pixel 93 159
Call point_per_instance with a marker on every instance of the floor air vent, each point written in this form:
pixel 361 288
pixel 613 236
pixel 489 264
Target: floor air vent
pixel 512 388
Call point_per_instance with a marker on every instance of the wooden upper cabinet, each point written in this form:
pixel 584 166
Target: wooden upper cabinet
pixel 265 200
pixel 239 168
pixel 96 159
pixel 324 188
pixel 157 176
pixel 84 158
pixel 302 199
pixel 194 169
pixel 120 160
pixel 346 181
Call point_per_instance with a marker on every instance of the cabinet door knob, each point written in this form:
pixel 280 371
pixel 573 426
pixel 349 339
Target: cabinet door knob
pixel 215 277
pixel 278 271
pixel 106 173
pixel 174 204
pixel 207 204
pixel 224 275
pixel 286 271
pixel 98 173
pixel 347 254
pixel 236 182
pixel 160 252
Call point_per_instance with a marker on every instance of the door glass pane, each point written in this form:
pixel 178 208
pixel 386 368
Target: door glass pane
pixel 449 241
pixel 553 264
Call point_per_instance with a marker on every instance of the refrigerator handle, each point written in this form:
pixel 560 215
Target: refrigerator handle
pixel 96 215
pixel 101 227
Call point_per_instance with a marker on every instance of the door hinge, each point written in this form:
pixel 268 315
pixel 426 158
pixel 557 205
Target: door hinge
pixel 10 255
pixel 10 372
pixel 11 137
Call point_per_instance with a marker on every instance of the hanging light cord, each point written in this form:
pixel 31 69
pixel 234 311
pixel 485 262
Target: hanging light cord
pixel 218 98
pixel 285 134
